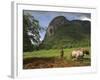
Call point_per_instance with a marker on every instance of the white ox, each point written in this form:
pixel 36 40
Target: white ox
pixel 79 53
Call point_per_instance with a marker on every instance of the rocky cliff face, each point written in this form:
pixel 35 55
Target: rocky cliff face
pixel 64 33
pixel 55 23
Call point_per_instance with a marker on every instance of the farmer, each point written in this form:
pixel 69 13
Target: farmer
pixel 62 53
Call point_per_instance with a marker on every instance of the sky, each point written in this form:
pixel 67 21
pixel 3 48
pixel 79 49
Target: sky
pixel 45 17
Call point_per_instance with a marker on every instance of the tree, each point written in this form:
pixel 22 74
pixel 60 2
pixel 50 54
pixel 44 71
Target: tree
pixel 31 37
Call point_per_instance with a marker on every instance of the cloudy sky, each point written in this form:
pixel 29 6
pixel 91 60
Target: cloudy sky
pixel 45 17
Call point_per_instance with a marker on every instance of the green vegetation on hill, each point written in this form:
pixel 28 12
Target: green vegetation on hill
pixel 76 33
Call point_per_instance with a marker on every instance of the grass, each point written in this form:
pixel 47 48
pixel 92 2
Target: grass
pixel 47 53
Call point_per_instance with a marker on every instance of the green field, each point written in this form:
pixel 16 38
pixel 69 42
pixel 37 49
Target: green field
pixel 49 53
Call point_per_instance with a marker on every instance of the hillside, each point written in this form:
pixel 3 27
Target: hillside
pixel 68 34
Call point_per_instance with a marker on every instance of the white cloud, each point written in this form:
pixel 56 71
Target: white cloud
pixel 85 18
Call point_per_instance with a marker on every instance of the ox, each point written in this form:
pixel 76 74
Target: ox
pixel 79 53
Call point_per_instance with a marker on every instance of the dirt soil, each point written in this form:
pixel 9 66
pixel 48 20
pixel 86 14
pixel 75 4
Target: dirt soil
pixel 36 63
